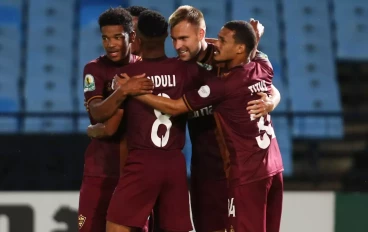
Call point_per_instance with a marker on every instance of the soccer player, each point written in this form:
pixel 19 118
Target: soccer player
pixel 135 11
pixel 155 168
pixel 101 167
pixel 253 162
pixel 208 181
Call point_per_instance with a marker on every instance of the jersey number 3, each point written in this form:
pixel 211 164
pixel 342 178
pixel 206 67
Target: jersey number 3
pixel 264 140
pixel 161 119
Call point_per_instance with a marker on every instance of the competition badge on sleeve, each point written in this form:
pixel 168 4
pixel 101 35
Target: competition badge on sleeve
pixel 89 83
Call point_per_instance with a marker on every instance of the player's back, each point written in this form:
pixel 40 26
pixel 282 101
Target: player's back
pixel 148 128
pixel 251 143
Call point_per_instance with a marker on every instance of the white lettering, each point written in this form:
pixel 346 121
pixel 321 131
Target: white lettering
pixel 258 87
pixel 163 80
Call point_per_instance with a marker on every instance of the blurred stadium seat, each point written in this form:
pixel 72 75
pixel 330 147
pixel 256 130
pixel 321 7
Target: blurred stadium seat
pixel 49 64
pixel 266 12
pixel 10 55
pixel 214 14
pixel 48 125
pixel 351 20
pixel 311 69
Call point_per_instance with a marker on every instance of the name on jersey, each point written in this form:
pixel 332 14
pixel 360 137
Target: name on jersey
pixel 258 87
pixel 163 80
pixel 202 112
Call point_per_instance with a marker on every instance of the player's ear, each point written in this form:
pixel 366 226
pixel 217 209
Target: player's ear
pixel 201 34
pixel 132 37
pixel 241 49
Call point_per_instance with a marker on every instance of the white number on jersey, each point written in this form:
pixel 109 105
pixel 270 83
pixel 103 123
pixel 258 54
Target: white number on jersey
pixel 162 119
pixel 264 141
pixel 231 207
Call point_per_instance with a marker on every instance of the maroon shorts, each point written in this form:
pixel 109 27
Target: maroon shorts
pixel 257 206
pixel 209 204
pixel 94 200
pixel 151 175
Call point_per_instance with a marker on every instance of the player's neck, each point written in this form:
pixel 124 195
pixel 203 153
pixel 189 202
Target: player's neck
pixel 153 53
pixel 237 61
pixel 202 53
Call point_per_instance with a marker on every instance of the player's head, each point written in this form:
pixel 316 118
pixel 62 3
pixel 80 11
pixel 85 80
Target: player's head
pixel 236 40
pixel 188 29
pixel 151 30
pixel 135 11
pixel 117 32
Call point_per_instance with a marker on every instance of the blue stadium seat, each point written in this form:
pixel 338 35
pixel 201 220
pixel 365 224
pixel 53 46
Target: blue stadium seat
pixel 49 96
pixel 311 71
pixel 283 135
pixel 351 20
pixel 48 125
pixel 13 3
pixel 52 23
pixel 266 12
pixel 10 43
pixel 166 8
pixel 83 123
pixel 9 97
pixel 214 13
pixel 108 3
pixel 8 125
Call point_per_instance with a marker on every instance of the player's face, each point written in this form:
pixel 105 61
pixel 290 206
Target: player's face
pixel 186 39
pixel 134 47
pixel 115 42
pixel 226 48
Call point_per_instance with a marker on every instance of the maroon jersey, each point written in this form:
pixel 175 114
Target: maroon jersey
pixel 102 155
pixel 206 160
pixel 148 128
pixel 248 144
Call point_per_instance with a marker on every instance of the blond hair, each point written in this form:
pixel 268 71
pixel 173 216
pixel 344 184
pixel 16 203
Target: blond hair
pixel 187 13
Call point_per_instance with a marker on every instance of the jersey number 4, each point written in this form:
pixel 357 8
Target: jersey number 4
pixel 161 119
pixel 264 140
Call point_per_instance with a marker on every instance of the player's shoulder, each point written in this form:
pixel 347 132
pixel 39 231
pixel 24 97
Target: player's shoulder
pixel 95 63
pixel 262 59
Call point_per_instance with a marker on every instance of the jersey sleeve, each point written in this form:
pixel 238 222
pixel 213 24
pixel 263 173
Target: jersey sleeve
pixel 264 63
pixel 197 75
pixel 211 93
pixel 93 82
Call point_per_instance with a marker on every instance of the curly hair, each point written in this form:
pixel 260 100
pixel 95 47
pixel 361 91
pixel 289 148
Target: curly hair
pixel 116 16
pixel 152 24
pixel 135 11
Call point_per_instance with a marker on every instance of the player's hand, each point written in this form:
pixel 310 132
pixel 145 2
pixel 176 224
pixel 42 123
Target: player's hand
pixel 210 40
pixel 136 85
pixel 260 107
pixel 258 28
pixel 91 132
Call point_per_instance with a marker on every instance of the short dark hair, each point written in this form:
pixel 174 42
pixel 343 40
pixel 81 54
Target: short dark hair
pixel 152 24
pixel 135 11
pixel 244 33
pixel 116 16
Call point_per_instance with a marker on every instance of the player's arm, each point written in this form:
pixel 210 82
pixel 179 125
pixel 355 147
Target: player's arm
pixel 265 104
pixel 209 94
pixel 102 110
pixel 106 129
pixel 259 30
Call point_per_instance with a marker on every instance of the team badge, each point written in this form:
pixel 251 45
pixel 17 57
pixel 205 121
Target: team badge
pixel 206 66
pixel 89 83
pixel 81 220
